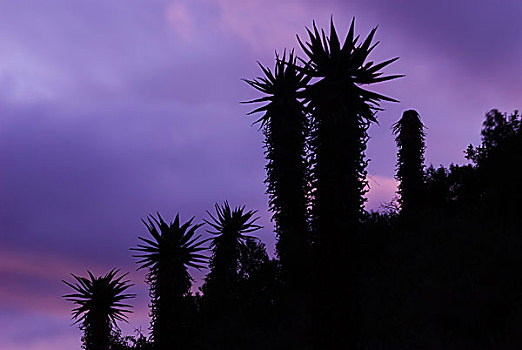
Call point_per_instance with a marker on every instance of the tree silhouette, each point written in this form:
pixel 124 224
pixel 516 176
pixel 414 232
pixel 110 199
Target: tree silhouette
pixel 497 161
pixel 284 125
pixel 221 293
pixel 259 284
pixel 230 228
pixel 497 129
pixel 175 248
pixel 409 136
pixel 99 306
pixel 341 114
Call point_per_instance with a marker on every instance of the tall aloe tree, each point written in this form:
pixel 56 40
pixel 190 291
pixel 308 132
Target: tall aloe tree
pixel 409 136
pixel 99 306
pixel 341 114
pixel 172 250
pixel 229 235
pixel 285 127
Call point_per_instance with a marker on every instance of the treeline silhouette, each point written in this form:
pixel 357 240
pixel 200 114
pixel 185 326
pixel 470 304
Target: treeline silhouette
pixel 437 268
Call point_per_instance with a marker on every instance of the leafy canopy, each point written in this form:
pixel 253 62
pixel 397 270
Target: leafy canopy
pixel 177 242
pixel 231 224
pixel 343 68
pixel 100 296
pixel 281 86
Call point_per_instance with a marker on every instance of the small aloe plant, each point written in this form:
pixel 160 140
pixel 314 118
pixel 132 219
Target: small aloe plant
pixel 99 306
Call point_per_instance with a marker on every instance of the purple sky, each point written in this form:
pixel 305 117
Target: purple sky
pixel 110 110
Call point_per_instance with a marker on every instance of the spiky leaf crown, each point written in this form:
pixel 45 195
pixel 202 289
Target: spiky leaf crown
pixel 172 242
pixel 281 86
pixel 101 295
pixel 343 66
pixel 235 222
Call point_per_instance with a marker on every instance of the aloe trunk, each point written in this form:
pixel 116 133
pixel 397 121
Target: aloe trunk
pixel 341 114
pixel 409 132
pixel 285 127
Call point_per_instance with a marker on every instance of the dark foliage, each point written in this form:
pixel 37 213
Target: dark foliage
pixel 497 161
pixel 449 281
pixel 452 283
pixel 230 236
pixel 174 248
pixel 99 306
pixel 236 263
pixel 137 342
pixel 285 127
pixel 341 114
pixel 499 129
pixel 409 136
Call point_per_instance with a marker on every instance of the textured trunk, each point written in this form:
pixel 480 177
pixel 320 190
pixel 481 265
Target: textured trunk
pixel 339 175
pixel 287 182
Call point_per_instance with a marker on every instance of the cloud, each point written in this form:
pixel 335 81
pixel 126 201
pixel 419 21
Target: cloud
pixel 264 25
pixel 31 297
pixel 39 265
pixel 33 279
pixel 181 19
pixel 50 341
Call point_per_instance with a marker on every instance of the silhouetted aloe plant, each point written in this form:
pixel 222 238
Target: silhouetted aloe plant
pixel 341 114
pixel 409 136
pixel 99 306
pixel 230 228
pixel 175 248
pixel 284 125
